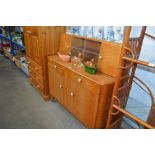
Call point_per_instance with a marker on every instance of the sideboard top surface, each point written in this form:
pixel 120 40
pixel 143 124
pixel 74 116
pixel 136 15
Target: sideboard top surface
pixel 99 78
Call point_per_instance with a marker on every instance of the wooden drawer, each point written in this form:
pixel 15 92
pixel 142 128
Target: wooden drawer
pixel 76 77
pixel 56 66
pixel 92 86
pixel 35 66
pixel 39 86
pixel 31 79
pixel 36 83
pixel 36 76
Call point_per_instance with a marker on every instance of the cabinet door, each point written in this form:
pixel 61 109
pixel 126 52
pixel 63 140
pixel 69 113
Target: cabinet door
pixel 56 82
pixel 86 107
pixel 70 94
pixel 81 102
pixel 27 40
pixel 35 49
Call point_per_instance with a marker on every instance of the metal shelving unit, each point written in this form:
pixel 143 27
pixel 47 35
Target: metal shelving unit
pixel 13 44
pixel 9 37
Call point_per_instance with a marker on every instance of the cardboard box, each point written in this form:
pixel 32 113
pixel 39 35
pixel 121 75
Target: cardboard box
pixel 16 59
pixel 7 52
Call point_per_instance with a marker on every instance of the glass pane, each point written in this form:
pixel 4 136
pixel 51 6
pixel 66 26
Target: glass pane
pixel 151 30
pixel 109 33
pixel 89 49
pixel 135 31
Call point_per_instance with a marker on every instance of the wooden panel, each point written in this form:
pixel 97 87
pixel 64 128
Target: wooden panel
pixel 35 49
pixel 103 105
pixel 53 39
pixel 109 58
pixel 65 41
pixel 50 40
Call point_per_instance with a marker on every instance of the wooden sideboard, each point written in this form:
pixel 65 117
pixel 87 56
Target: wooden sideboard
pixel 40 42
pixel 86 96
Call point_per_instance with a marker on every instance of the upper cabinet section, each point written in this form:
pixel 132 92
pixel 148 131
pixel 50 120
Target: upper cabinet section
pixel 33 30
pixel 108 33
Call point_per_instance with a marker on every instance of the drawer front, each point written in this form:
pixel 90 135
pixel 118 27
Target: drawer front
pixel 90 85
pixel 76 77
pixel 36 76
pixel 36 83
pixel 35 66
pixel 56 66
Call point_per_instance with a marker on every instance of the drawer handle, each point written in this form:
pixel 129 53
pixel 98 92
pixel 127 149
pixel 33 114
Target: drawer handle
pixel 72 94
pixel 55 66
pixel 61 86
pixel 79 80
pixel 38 86
pixel 29 32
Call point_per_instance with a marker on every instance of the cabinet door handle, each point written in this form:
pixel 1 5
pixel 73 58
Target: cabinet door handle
pixel 71 94
pixel 55 66
pixel 100 57
pixel 79 80
pixel 60 85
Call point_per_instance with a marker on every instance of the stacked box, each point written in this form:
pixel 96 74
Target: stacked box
pixel 16 60
pixel 7 52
